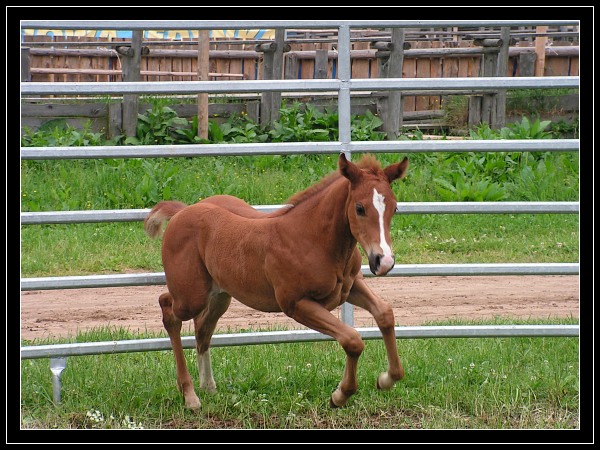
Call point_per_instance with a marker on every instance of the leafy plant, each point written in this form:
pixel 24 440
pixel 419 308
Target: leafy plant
pixel 364 128
pixel 483 131
pixel 463 189
pixel 157 127
pixel 527 130
pixel 58 133
pixel 301 122
pixel 239 128
pixel 562 128
pixel 190 135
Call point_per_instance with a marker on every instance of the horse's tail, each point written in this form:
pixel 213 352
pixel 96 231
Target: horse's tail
pixel 162 211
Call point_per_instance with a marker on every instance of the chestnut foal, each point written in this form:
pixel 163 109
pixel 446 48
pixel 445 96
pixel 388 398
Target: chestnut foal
pixel 302 259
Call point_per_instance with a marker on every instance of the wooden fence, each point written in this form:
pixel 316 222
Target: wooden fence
pixel 424 59
pixel 434 58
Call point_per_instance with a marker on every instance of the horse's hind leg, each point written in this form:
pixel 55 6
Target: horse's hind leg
pixel 361 295
pixel 204 326
pixel 173 326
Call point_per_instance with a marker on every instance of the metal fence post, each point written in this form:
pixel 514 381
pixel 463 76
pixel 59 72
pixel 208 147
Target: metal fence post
pixel 344 75
pixel 57 365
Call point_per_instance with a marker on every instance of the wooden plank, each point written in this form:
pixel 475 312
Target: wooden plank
pixel 501 70
pixel 393 119
pixel 203 64
pixel 95 64
pixel 291 66
pixel 60 110
pixel 266 98
pixel 222 64
pixel 96 125
pixel 321 62
pixel 574 66
pixel 307 67
pixel 250 67
pixel 540 51
pixel 131 72
pixel 329 48
pixel 176 66
pixel 409 70
pixel 526 67
pixel 278 72
pixel 360 67
pixel 96 72
pixel 474 111
pixel 423 70
pixel 153 65
pixel 186 67
pixel 164 65
pixel 115 119
pixel 435 102
pixel 235 68
pixel 25 64
pixel 557 67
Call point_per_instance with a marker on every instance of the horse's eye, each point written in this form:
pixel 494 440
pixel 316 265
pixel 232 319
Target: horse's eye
pixel 360 209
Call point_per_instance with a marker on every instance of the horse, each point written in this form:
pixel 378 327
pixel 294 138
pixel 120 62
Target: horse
pixel 301 259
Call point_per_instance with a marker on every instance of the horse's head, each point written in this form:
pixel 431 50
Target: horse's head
pixel 371 206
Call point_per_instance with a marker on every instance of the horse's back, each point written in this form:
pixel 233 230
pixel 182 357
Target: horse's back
pixel 235 205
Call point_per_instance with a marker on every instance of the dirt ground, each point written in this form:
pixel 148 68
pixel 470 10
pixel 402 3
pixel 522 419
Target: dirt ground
pixel 415 300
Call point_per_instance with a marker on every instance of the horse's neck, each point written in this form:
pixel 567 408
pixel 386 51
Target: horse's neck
pixel 324 216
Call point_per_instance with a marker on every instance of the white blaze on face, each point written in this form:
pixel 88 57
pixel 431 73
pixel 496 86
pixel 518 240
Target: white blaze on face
pixel 379 203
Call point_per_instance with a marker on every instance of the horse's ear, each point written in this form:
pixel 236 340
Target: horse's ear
pixel 396 171
pixel 348 169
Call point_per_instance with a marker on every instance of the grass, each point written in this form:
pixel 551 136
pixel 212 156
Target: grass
pixel 503 383
pixel 457 383
pixel 79 249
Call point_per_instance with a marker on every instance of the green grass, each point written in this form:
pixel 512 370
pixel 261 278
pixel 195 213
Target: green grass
pixel 78 249
pixel 82 249
pixel 492 383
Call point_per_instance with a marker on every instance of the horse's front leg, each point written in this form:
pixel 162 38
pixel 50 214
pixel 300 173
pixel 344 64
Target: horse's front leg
pixel 316 316
pixel 362 296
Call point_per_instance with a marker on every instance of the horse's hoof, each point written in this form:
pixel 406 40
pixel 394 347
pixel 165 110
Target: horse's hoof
pixel 384 381
pixel 193 403
pixel 209 389
pixel 341 399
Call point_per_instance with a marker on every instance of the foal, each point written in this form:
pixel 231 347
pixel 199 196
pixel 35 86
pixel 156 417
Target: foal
pixel 302 259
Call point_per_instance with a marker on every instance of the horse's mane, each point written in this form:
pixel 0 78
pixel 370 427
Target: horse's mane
pixel 367 162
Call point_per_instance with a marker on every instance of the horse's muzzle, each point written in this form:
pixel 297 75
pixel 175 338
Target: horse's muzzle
pixel 380 264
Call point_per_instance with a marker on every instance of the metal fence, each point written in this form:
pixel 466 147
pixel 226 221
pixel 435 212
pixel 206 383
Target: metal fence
pixel 343 86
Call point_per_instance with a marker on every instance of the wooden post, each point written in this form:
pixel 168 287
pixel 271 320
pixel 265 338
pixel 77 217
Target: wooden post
pixel 25 64
pixel 488 100
pixel 540 51
pixel 115 119
pixel 321 62
pixel 266 98
pixel 130 63
pixel 277 72
pixel 203 63
pixel 501 71
pixel 291 67
pixel 270 102
pixel 486 103
pixel 527 64
pixel 393 123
